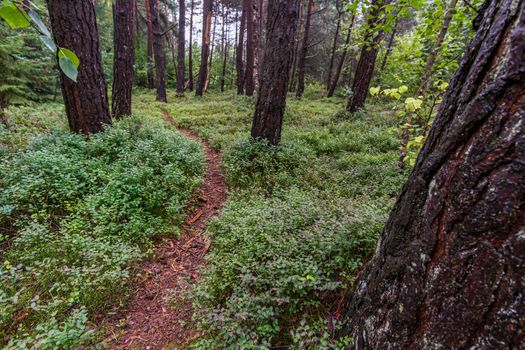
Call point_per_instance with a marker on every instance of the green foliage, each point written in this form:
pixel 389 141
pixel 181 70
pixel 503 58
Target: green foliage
pixel 80 212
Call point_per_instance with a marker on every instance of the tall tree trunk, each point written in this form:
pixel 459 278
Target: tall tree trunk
pixel 449 269
pixel 74 26
pixel 212 49
pixel 205 50
pixel 170 37
pixel 182 42
pixel 295 52
pixel 342 59
pixel 260 47
pixel 150 76
pixel 301 65
pixel 224 38
pixel 250 48
pixel 190 49
pixel 280 31
pixel 158 51
pixel 334 47
pixel 433 54
pixel 390 45
pixel 123 19
pixel 240 52
pixel 367 60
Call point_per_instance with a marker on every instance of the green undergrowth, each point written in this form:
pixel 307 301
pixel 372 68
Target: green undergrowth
pixel 301 218
pixel 77 214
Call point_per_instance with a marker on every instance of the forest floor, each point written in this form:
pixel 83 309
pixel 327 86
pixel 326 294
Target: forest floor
pixel 159 314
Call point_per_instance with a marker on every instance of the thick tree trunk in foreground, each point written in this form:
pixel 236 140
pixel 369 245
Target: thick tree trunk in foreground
pixel 205 50
pixel 271 101
pixel 190 49
pixel 439 40
pixel 74 27
pixel 367 60
pixel 334 46
pixel 342 59
pixel 158 51
pixel 301 65
pixel 449 270
pixel 239 56
pixel 123 16
pixel 182 42
pixel 250 47
pixel 149 73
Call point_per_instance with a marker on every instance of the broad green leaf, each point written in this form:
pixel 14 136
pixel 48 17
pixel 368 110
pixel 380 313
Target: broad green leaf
pixel 63 52
pixel 68 67
pixel 374 90
pixel 15 17
pixel 50 44
pixel 38 21
pixel 403 89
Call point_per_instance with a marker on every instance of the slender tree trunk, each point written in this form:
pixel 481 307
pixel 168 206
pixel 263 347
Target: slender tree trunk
pixel 433 54
pixel 390 45
pixel 212 49
pixel 250 48
pixel 190 49
pixel 182 43
pixel 123 18
pixel 205 51
pixel 342 59
pixel 235 46
pixel 150 76
pixel 260 47
pixel 449 269
pixel 280 31
pixel 295 53
pixel 367 60
pixel 74 26
pixel 158 51
pixel 224 38
pixel 334 49
pixel 301 65
pixel 240 48
pixel 170 38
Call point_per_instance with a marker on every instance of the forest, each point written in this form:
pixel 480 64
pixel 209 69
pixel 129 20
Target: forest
pixel 262 174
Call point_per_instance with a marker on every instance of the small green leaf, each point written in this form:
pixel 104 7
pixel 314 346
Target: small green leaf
pixel 63 52
pixel 403 89
pixel 38 21
pixel 68 67
pixel 15 17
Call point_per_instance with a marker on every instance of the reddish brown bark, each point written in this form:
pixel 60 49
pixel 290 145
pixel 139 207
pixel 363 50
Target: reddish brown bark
pixel 212 50
pixel 190 49
pixel 123 16
pixel 205 50
pixel 250 47
pixel 367 60
pixel 224 46
pixel 449 269
pixel 74 27
pixel 240 53
pixel 182 43
pixel 301 63
pixel 271 102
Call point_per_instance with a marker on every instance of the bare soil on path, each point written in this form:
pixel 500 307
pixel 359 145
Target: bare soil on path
pixel 158 315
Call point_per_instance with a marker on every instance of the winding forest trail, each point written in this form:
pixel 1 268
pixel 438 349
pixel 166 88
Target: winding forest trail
pixel 159 313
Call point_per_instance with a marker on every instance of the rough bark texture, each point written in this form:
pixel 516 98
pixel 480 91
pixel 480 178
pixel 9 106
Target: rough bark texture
pixel 342 59
pixel 158 51
pixel 250 47
pixel 449 270
pixel 182 49
pixel 123 16
pixel 271 102
pixel 190 49
pixel 367 60
pixel 301 63
pixel 439 40
pixel 205 50
pixel 74 27
pixel 150 74
pixel 334 47
pixel 239 64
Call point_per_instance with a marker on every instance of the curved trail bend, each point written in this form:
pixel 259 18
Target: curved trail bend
pixel 158 313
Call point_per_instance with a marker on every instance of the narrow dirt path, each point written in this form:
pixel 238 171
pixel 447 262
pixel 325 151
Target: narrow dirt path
pixel 158 314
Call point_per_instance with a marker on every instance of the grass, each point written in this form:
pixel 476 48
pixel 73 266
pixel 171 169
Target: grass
pixel 301 218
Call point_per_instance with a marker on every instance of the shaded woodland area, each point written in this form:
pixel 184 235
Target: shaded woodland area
pixel 262 174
